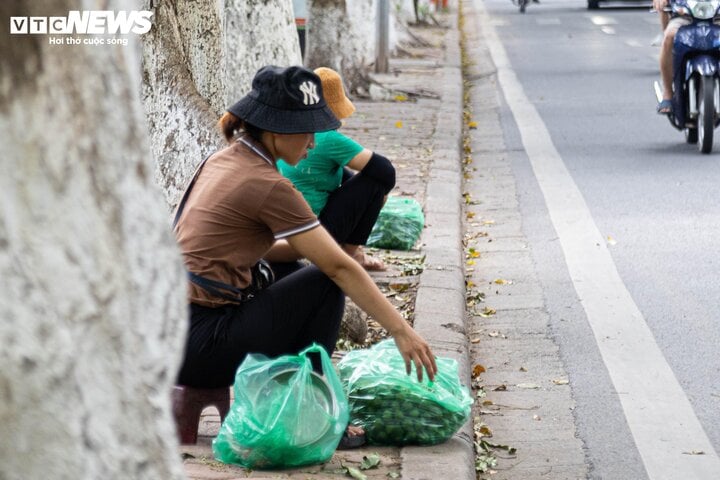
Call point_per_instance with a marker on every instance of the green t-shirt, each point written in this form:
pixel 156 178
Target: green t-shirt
pixel 321 172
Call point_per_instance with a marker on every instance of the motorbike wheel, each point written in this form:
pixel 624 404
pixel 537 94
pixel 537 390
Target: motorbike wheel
pixel 706 114
pixel 523 4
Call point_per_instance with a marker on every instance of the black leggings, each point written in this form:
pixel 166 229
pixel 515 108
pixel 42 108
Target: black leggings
pixel 352 209
pixel 297 310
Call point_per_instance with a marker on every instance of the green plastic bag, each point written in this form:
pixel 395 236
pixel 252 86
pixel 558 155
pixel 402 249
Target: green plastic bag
pixel 399 224
pixel 284 414
pixel 393 407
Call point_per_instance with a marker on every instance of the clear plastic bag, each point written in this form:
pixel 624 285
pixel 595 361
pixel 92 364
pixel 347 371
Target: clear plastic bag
pixel 393 407
pixel 399 224
pixel 284 414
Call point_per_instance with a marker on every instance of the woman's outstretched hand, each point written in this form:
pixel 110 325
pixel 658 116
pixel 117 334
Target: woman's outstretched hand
pixel 415 350
pixel 321 249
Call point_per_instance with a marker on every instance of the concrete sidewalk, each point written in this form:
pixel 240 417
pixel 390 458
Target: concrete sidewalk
pixel 419 127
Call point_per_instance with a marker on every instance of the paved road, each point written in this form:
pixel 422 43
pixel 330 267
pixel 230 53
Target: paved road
pixel 621 218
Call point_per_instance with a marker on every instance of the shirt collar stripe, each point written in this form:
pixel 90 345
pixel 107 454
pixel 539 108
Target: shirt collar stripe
pixel 262 154
pixel 296 230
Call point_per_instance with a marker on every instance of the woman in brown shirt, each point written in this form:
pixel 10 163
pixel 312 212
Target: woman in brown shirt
pixel 240 209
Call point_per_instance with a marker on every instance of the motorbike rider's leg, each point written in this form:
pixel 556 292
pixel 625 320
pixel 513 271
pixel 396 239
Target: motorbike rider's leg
pixel 666 62
pixel 664 19
pixel 666 58
pixel 659 6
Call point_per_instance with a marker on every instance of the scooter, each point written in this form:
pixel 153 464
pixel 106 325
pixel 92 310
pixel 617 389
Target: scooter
pixel 696 73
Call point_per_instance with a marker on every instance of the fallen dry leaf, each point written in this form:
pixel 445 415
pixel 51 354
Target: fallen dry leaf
pixel 370 461
pixel 477 370
pixel 485 431
pixel 398 287
pixel 561 381
pixel 530 386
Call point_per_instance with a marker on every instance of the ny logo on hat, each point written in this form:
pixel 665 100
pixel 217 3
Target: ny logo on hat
pixel 310 95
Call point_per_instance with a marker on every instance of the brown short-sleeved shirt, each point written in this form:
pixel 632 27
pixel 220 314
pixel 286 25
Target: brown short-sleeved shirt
pixel 240 204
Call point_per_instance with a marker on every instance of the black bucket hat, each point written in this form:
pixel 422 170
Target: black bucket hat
pixel 286 100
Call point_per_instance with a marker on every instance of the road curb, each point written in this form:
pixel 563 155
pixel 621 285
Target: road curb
pixel 440 301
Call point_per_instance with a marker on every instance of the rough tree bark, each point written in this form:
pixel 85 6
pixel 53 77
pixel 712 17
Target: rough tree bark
pixel 341 36
pixel 92 287
pixel 198 59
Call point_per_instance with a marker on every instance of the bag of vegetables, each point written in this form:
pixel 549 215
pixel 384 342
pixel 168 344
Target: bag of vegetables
pixel 399 224
pixel 284 414
pixel 393 407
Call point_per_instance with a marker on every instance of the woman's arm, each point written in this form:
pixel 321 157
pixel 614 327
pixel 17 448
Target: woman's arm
pixel 280 252
pixel 319 247
pixel 359 161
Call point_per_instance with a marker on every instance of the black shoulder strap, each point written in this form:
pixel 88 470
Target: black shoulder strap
pixel 181 205
pixel 219 289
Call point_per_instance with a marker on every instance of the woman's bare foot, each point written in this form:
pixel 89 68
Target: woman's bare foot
pixel 353 437
pixel 368 262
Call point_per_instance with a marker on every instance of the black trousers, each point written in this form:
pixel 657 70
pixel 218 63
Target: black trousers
pixel 297 310
pixel 353 208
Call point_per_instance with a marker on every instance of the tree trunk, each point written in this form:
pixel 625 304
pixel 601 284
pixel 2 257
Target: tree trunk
pixel 199 58
pixel 92 290
pixel 341 36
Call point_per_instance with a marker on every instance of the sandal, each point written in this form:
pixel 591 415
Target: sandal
pixel 665 107
pixel 351 440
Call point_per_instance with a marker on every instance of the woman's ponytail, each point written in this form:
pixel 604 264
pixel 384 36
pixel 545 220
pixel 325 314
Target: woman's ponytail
pixel 229 125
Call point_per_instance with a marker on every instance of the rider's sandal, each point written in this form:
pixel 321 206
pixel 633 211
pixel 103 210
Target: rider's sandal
pixel 665 107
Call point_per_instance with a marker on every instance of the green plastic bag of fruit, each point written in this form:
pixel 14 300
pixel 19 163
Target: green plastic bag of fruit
pixel 393 407
pixel 284 413
pixel 399 224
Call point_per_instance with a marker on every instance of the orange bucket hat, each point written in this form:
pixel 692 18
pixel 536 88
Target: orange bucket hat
pixel 334 93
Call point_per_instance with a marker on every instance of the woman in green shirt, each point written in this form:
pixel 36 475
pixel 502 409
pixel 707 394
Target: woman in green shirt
pixel 346 203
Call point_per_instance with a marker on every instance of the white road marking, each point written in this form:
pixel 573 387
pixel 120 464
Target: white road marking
pixel 658 412
pixel 601 20
pixel 608 30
